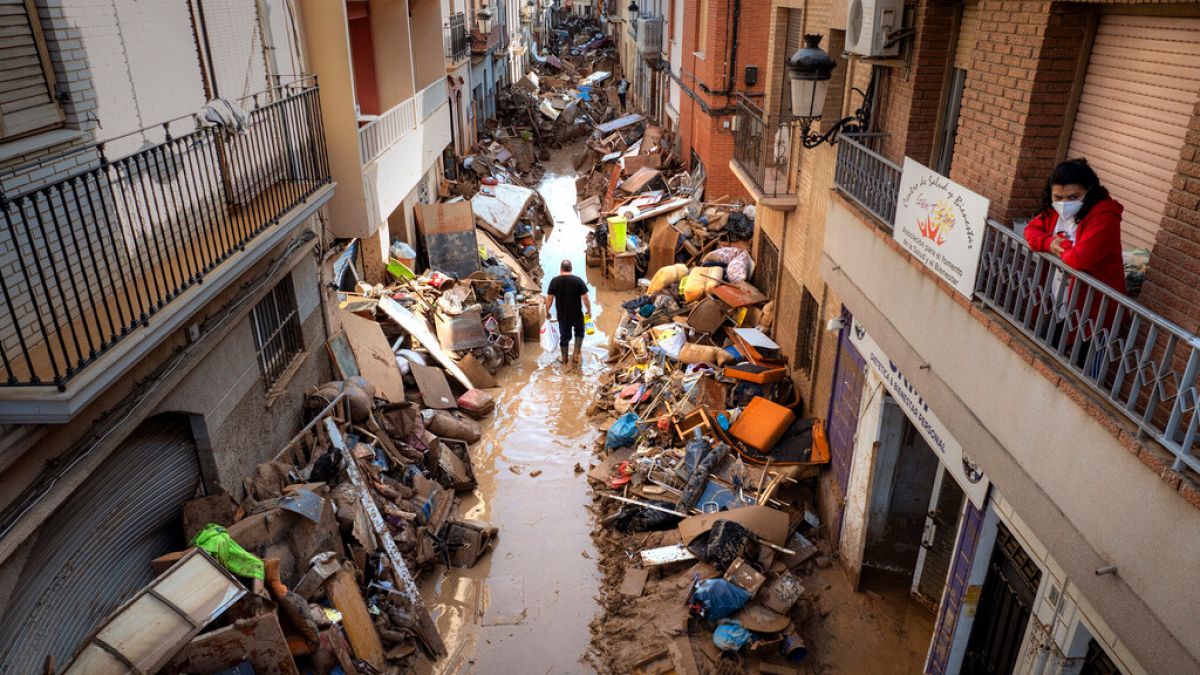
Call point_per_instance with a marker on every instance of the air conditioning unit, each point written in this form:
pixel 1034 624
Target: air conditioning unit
pixel 868 25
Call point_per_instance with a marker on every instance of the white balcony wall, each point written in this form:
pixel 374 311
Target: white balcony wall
pixel 1077 487
pixel 395 171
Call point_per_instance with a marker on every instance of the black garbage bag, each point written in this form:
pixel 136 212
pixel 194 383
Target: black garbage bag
pixel 739 227
pixel 634 518
pixel 725 542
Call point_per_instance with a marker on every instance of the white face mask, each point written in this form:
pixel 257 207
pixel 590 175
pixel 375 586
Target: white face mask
pixel 1068 210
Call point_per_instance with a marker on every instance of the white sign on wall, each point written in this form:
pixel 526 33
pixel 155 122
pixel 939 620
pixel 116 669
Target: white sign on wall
pixel 941 223
pixel 966 474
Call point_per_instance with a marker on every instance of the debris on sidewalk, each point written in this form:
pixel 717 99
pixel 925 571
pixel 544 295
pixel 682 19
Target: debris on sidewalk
pixel 706 470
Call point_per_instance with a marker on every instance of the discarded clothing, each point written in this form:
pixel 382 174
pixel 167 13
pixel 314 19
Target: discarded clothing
pixel 216 540
pixel 635 518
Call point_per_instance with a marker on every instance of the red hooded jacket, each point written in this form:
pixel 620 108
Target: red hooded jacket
pixel 1097 247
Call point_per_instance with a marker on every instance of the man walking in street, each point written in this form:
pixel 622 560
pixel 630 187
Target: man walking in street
pixel 570 294
pixel 622 89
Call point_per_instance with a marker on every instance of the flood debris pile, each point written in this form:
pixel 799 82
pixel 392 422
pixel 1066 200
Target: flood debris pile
pixel 647 210
pixel 314 569
pixel 705 480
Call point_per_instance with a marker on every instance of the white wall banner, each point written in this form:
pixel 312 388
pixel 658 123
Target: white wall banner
pixel 941 223
pixel 951 454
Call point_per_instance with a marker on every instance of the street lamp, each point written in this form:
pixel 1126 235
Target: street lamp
pixel 527 11
pixel 485 21
pixel 809 69
pixel 633 9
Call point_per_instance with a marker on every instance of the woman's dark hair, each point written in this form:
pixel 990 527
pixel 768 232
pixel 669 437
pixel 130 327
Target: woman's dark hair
pixel 1075 172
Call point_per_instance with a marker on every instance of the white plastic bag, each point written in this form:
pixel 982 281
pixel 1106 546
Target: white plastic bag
pixel 550 335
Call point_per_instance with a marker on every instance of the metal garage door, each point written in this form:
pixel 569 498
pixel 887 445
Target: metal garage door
pixel 1142 83
pixel 95 551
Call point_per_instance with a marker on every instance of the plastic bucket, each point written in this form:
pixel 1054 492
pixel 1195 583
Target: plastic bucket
pixel 616 233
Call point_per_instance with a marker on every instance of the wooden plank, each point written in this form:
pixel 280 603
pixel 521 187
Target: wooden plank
pixel 416 327
pixel 374 356
pixel 479 375
pixel 435 390
pixel 360 630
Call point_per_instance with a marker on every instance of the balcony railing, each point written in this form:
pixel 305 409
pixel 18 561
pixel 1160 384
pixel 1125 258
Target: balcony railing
pixel 867 177
pixel 382 133
pixel 762 147
pixel 1144 365
pixel 649 36
pixel 458 45
pixel 92 257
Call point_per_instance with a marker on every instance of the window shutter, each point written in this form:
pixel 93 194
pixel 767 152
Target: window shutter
pixel 1138 98
pixel 968 35
pixel 27 102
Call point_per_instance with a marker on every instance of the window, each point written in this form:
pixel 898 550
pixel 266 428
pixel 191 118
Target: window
pixel 944 154
pixel 702 29
pixel 806 331
pixel 27 99
pixel 1097 662
pixel 277 336
pixel 766 270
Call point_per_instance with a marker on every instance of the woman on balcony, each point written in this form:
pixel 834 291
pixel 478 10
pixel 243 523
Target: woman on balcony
pixel 1081 225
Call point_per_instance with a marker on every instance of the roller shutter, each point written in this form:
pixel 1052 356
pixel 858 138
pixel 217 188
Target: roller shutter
pixel 27 101
pixel 94 553
pixel 1138 97
pixel 968 34
pixel 793 39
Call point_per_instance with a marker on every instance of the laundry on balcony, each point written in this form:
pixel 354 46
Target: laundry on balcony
pixel 226 114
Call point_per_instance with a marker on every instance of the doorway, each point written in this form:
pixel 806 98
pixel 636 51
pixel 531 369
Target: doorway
pixel 1004 608
pixel 902 482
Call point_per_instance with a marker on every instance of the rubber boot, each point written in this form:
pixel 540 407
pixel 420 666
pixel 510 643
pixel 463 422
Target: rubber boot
pixel 565 357
pixel 577 357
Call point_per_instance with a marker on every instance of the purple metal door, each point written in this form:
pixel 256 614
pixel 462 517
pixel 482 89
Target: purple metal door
pixel 849 374
pixel 956 589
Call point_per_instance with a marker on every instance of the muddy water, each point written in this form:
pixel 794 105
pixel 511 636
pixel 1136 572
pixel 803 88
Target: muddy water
pixel 526 607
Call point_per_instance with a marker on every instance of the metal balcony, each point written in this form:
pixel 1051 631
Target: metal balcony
pixel 456 39
pixel 762 150
pixel 93 257
pixel 1142 364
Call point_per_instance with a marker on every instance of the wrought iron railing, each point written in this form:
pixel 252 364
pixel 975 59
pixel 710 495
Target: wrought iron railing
pixel 91 257
pixel 762 148
pixel 867 177
pixel 375 137
pixel 1143 364
pixel 458 45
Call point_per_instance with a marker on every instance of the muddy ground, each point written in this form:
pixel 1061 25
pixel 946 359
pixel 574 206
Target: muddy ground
pixel 546 600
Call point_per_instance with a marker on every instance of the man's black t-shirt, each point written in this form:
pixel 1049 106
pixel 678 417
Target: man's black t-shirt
pixel 568 291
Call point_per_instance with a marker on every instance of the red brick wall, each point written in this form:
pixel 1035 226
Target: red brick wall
pixel 702 130
pixel 915 97
pixel 1015 105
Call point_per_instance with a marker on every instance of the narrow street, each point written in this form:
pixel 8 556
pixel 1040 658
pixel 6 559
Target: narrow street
pixel 527 606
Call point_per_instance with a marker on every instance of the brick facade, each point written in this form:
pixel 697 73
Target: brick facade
pixel 706 101
pixel 1017 100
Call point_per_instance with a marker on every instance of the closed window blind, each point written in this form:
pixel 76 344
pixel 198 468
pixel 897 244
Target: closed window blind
pixel 27 102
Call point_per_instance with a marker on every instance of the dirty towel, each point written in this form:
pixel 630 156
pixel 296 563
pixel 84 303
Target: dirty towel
pixel 216 540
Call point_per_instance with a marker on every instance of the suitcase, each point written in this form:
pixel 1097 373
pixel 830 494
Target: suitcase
pixel 762 424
